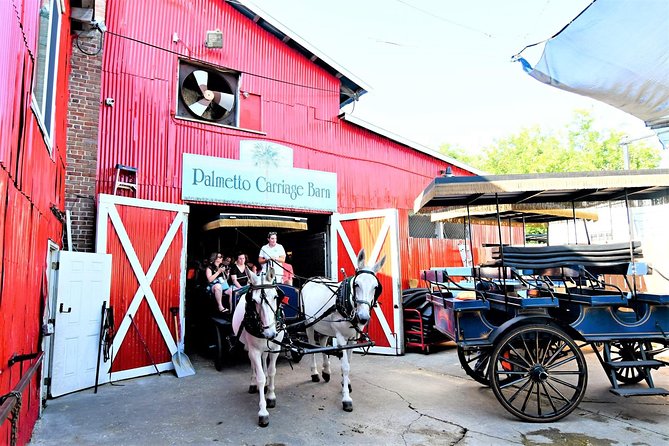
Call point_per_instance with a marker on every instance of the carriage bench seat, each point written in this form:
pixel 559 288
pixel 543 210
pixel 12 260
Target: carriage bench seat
pixel 523 302
pixel 594 300
pixel 657 299
pixel 458 304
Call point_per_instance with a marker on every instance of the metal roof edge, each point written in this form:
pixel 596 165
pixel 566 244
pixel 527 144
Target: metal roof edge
pixel 348 81
pixel 406 142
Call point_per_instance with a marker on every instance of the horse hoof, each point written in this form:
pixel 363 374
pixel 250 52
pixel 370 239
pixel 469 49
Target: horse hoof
pixel 263 421
pixel 271 403
pixel 348 406
pixel 326 377
pixel 253 389
pixel 315 378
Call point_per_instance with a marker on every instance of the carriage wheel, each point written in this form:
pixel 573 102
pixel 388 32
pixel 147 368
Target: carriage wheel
pixel 631 351
pixel 474 360
pixel 217 347
pixel 538 373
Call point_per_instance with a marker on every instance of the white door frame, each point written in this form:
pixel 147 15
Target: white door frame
pixel 389 229
pixel 107 211
pixel 49 317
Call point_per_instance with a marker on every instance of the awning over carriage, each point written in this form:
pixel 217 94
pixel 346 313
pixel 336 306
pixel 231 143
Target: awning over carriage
pixel 518 214
pixel 549 191
pixel 615 51
pixel 285 222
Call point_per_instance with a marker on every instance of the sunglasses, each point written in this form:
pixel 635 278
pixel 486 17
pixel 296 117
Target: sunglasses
pixel 271 234
pixel 219 256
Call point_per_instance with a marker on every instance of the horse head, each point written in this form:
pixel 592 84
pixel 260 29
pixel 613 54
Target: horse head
pixel 366 287
pixel 262 300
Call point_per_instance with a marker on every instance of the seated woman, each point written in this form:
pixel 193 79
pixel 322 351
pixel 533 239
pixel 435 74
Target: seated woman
pixel 218 281
pixel 238 276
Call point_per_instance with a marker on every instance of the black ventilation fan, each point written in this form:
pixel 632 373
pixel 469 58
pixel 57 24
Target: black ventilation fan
pixel 207 94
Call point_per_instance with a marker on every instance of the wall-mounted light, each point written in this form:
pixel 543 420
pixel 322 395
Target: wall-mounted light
pixel 214 39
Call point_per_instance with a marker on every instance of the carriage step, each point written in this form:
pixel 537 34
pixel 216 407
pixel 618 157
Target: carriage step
pixel 635 364
pixel 640 392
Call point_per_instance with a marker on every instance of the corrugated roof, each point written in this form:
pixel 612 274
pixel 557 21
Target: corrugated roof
pixel 351 88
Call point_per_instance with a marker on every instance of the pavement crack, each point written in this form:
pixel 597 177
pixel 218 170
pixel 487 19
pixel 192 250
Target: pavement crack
pixel 463 430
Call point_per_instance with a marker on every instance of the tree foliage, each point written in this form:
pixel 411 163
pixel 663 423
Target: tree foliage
pixel 580 147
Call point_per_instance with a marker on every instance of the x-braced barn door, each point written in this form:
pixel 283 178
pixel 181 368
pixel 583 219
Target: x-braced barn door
pixel 376 231
pixel 147 240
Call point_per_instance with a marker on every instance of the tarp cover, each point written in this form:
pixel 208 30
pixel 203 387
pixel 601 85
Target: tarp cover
pixel 615 51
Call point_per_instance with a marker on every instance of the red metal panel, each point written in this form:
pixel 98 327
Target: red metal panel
pixel 146 229
pixel 31 181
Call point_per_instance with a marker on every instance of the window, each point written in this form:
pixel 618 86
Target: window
pixel 421 226
pixel 46 66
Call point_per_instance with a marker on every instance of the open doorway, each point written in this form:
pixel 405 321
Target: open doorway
pixel 305 248
pixel 233 230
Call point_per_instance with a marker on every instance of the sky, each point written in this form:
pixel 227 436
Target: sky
pixel 440 71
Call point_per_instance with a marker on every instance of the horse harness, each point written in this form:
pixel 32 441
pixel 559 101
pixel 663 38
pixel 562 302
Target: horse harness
pixel 252 322
pixel 346 300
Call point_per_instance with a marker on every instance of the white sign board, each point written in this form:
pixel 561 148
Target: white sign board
pixel 212 179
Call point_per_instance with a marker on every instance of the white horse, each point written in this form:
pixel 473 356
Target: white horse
pixel 340 310
pixel 255 323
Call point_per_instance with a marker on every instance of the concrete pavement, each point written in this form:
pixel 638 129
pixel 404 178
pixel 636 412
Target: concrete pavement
pixel 415 399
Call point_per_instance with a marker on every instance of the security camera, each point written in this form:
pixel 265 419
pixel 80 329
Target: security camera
pixel 109 102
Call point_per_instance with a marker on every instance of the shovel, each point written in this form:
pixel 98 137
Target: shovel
pixel 182 365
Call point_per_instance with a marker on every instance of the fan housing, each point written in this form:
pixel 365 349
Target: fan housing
pixel 208 94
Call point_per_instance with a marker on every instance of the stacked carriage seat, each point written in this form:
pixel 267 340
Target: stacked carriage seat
pixel 588 256
pixel 419 332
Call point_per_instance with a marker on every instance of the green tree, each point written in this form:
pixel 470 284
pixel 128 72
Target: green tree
pixel 580 147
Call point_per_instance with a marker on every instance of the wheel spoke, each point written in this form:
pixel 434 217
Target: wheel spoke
pixel 548 396
pixel 514 382
pixel 556 354
pixel 563 362
pixel 559 394
pixel 529 393
pixel 513 349
pixel 564 383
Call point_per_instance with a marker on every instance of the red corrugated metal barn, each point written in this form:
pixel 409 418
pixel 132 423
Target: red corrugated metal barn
pixel 212 107
pixel 34 56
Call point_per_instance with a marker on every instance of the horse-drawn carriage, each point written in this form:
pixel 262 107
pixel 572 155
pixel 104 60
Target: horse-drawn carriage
pixel 272 319
pixel 521 320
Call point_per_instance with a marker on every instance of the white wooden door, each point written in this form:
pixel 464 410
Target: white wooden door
pixel 84 280
pixel 376 231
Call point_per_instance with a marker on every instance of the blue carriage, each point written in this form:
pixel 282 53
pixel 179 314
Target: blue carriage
pixel 521 320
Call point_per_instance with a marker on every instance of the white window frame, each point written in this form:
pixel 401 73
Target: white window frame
pixel 45 108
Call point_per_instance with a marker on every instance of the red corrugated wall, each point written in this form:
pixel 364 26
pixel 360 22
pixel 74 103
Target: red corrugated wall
pixel 31 181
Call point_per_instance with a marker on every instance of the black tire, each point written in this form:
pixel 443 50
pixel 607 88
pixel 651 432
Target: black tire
pixel 219 347
pixel 475 360
pixel 538 373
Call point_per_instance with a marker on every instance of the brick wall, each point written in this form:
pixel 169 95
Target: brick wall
pixel 82 138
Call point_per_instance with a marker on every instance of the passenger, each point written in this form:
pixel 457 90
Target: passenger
pixel 218 281
pixel 287 272
pixel 238 276
pixel 274 255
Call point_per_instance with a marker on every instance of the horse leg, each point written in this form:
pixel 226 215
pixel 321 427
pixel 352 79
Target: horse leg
pixel 255 356
pixel 326 360
pixel 346 401
pixel 314 366
pixel 271 372
pixel 253 387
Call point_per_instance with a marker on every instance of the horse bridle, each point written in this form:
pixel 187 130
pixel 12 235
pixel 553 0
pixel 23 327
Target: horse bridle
pixel 346 307
pixel 252 320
